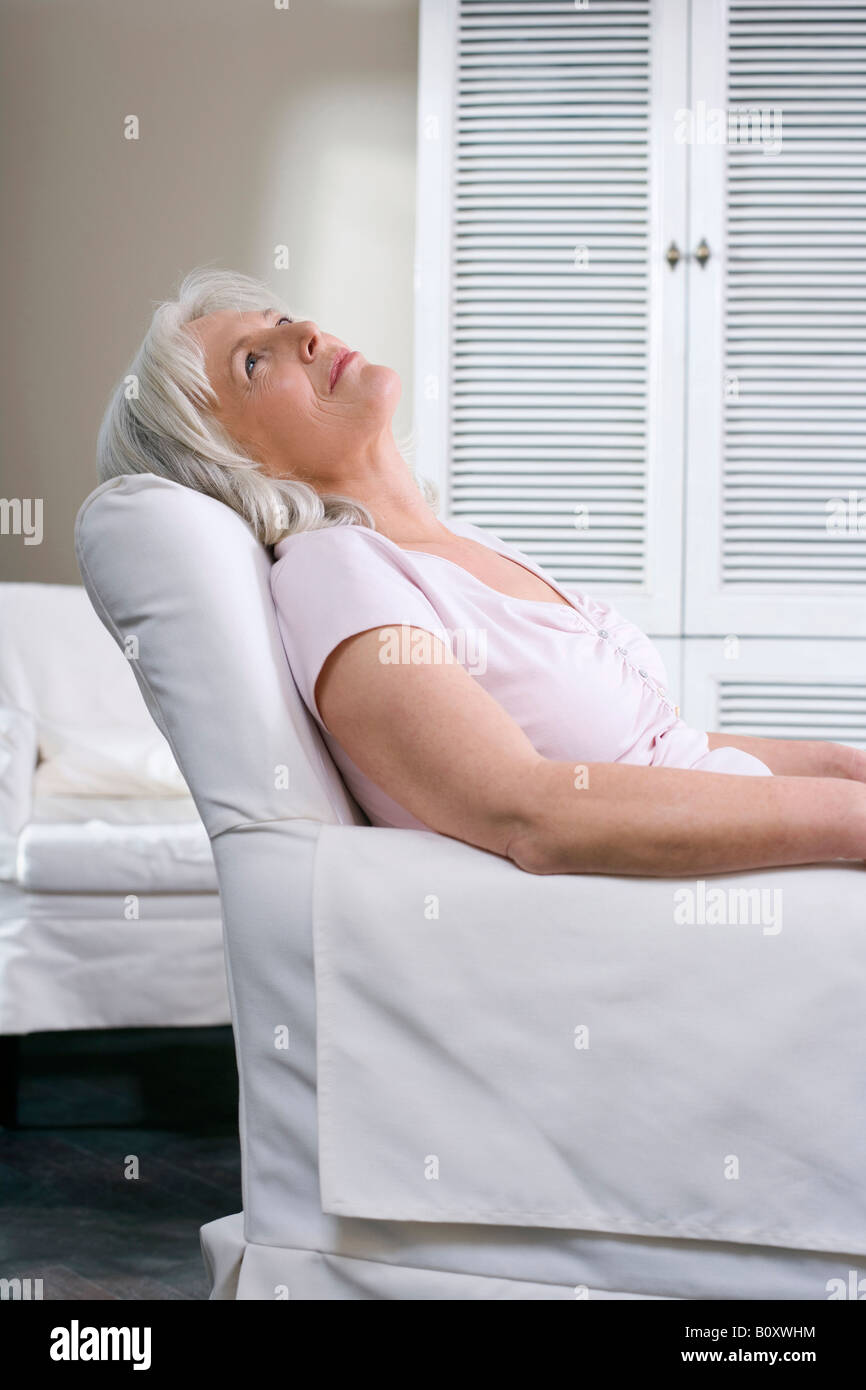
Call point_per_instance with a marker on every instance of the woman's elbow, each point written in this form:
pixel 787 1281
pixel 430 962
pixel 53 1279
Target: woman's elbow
pixel 531 841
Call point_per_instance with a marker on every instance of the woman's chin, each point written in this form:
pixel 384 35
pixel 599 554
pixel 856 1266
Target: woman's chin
pixel 381 384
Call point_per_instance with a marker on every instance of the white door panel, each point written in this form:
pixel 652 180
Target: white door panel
pixel 550 331
pixel 776 516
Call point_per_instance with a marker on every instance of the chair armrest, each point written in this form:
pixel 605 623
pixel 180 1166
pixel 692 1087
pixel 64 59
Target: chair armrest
pixel 18 754
pixel 652 1057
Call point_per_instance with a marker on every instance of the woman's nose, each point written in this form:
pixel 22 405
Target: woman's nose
pixel 310 339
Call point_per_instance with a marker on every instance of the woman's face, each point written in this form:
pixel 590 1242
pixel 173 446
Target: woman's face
pixel 291 397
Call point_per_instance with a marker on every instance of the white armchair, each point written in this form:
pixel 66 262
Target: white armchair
pixel 457 1080
pixel 109 909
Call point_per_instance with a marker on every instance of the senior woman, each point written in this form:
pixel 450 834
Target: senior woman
pixel 458 687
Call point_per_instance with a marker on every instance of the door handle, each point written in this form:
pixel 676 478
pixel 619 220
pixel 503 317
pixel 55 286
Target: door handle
pixel 701 254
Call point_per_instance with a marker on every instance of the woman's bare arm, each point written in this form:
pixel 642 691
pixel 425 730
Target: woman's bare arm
pixel 433 739
pixel 790 757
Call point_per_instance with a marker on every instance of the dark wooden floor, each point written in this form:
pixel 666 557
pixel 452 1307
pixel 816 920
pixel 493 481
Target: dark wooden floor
pixel 89 1101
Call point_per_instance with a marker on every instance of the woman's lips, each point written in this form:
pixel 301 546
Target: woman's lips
pixel 340 363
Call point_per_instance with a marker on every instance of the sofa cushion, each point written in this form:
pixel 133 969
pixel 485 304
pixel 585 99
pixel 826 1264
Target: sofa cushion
pixel 97 855
pixel 120 810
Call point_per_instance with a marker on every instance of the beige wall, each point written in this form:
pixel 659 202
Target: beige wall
pixel 258 126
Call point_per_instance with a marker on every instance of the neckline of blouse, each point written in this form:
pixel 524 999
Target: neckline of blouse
pixel 498 550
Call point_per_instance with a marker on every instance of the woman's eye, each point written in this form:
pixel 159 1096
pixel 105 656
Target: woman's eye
pixel 251 359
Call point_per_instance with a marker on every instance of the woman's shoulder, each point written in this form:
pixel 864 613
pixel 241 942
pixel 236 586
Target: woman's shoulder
pixel 322 537
pixel 344 558
pixel 332 548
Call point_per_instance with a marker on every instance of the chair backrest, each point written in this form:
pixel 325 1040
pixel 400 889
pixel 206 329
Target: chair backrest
pixel 182 584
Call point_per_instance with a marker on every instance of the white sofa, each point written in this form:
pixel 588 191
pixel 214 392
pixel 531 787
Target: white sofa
pixel 109 908
pixel 457 1080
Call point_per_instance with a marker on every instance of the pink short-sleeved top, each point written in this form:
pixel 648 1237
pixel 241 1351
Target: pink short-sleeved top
pixel 584 684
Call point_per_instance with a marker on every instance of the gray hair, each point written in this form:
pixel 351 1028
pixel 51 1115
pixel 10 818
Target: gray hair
pixel 159 420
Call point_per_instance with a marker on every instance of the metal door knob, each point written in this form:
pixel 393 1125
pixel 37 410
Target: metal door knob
pixel 701 254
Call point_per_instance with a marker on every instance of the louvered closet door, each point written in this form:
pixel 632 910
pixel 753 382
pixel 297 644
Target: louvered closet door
pixel 776 454
pixel 549 374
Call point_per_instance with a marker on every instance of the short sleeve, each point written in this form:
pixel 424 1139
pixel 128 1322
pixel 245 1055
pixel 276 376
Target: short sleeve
pixel 332 583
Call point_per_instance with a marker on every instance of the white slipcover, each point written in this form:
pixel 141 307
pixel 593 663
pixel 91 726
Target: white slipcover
pixel 109 914
pixel 459 1080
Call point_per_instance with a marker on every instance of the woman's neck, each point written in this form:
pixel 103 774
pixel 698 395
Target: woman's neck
pixel 382 482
